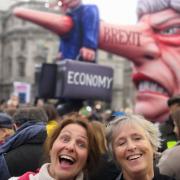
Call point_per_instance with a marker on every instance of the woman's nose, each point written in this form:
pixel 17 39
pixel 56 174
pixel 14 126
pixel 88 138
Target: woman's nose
pixel 70 146
pixel 131 145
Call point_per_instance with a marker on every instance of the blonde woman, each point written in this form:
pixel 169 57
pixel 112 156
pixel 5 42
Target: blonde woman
pixel 133 143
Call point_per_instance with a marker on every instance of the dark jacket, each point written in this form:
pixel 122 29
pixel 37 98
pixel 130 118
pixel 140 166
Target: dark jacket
pixel 157 176
pixel 23 151
pixel 169 162
pixel 167 134
pixel 105 170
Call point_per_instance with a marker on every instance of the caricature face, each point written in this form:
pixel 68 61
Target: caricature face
pixel 69 152
pixel 156 69
pixel 132 150
pixel 153 46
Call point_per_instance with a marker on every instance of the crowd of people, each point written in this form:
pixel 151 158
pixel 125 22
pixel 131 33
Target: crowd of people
pixel 38 143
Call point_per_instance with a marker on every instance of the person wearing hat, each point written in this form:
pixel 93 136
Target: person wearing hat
pixel 6 127
pixel 169 162
pixel 166 128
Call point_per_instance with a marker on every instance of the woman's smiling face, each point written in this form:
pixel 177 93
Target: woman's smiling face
pixel 133 150
pixel 69 152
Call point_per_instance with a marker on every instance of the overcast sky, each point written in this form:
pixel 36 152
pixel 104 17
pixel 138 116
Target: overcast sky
pixel 115 11
pixel 5 4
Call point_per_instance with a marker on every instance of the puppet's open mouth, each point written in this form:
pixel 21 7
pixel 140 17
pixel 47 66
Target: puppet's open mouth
pixel 148 86
pixel 145 84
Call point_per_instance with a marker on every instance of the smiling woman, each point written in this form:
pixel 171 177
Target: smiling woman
pixel 72 150
pixel 134 150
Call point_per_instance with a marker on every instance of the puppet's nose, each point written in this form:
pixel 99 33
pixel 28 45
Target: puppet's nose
pixel 59 24
pixel 135 42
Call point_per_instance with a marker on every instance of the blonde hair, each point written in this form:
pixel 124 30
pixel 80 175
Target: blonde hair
pixel 99 129
pixel 6 132
pixel 151 130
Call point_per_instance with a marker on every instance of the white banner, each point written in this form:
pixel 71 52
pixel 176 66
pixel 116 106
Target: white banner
pixel 23 90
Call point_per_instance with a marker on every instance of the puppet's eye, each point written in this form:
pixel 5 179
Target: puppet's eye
pixel 172 30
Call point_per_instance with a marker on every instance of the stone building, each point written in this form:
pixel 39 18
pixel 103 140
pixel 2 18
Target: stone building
pixel 24 45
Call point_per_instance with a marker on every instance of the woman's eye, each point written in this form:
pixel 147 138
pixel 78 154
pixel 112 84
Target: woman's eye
pixel 65 138
pixel 174 30
pixel 81 144
pixel 121 143
pixel 137 138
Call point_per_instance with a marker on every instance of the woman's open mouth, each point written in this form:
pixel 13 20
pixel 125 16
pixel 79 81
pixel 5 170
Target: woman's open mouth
pixel 66 161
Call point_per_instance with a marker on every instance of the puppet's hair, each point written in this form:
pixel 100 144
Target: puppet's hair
pixel 151 6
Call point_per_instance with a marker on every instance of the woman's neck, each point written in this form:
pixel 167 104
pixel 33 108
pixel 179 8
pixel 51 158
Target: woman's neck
pixel 138 176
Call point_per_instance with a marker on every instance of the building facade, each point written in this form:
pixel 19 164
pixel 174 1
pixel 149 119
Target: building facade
pixel 24 45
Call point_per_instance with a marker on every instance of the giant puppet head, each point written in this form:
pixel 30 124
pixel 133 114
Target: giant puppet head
pixel 152 45
pixel 156 72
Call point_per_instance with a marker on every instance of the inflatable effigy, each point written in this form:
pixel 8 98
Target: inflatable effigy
pixel 152 45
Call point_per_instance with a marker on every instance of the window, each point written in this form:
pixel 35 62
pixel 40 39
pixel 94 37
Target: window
pixel 23 44
pixel 21 67
pixel 10 66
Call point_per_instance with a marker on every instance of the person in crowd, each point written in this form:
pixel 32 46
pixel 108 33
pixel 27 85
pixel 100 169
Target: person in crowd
pixel 169 161
pixel 6 127
pixel 106 168
pixel 39 102
pixel 168 136
pixel 72 151
pixel 13 101
pixel 10 111
pixel 96 113
pixel 133 142
pixel 23 151
pixel 53 118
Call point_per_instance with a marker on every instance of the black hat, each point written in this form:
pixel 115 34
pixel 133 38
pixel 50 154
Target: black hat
pixel 5 121
pixel 174 100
